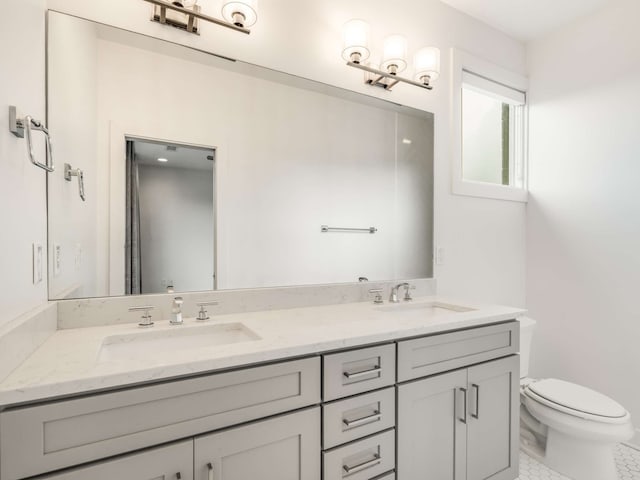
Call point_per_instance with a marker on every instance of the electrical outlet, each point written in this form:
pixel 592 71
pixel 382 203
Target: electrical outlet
pixel 37 263
pixel 439 255
pixel 57 259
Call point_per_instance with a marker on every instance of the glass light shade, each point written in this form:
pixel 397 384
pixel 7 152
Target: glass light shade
pixel 395 53
pixel 233 10
pixel 427 62
pixel 355 38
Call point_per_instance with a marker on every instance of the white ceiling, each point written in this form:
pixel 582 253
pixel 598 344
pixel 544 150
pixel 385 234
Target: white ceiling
pixel 527 19
pixel 192 158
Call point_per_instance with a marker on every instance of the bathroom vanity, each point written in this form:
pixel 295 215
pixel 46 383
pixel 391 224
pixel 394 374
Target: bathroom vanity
pixel 417 390
pixel 307 382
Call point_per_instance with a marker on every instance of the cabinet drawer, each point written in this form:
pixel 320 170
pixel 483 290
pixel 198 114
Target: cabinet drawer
pixel 438 353
pixel 169 462
pixel 352 418
pixel 62 434
pixel 361 460
pixel 357 371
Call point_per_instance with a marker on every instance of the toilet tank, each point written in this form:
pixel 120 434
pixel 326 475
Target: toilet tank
pixel 526 335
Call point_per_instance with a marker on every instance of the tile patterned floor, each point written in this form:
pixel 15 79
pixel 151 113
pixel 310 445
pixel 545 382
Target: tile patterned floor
pixel 627 460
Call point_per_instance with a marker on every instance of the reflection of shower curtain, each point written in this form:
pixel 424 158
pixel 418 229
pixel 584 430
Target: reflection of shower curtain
pixel 133 277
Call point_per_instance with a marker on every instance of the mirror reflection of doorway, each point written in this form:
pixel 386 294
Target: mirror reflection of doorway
pixel 170 218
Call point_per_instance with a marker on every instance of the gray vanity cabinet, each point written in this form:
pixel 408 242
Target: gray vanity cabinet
pixel 171 462
pixel 281 448
pixel 461 425
pixel 431 441
pixel 493 420
pixel 49 437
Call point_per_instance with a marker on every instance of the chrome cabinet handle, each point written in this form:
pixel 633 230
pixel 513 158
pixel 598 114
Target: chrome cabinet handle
pixel 475 386
pixel 362 373
pixel 464 405
pixel 364 420
pixel 210 467
pixel 376 460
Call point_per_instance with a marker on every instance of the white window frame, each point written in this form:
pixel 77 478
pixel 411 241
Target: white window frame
pixel 461 62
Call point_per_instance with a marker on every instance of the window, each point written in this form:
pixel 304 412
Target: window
pixel 490 130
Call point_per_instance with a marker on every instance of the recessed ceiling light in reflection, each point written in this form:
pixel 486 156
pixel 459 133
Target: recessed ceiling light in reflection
pixel 163 160
pixel 406 141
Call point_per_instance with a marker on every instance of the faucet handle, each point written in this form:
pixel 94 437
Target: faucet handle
pixel 378 297
pixel 146 318
pixel 407 293
pixel 202 314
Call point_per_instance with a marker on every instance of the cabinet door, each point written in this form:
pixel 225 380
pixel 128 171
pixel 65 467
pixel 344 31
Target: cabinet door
pixel 172 462
pixel 492 432
pixel 281 448
pixel 431 428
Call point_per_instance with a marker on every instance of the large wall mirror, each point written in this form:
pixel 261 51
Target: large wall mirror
pixel 204 173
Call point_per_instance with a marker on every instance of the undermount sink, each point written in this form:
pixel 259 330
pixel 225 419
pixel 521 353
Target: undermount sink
pixel 163 343
pixel 428 308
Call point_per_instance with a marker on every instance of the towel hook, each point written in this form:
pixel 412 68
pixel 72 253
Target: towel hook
pixel 22 127
pixel 75 172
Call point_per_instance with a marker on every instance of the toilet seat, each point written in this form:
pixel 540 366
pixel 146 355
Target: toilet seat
pixel 577 401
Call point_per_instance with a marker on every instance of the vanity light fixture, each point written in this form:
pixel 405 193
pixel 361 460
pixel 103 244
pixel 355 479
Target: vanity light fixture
pixel 184 14
pixel 394 58
pixel 240 13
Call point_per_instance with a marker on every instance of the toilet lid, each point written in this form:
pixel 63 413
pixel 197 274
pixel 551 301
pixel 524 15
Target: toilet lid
pixel 576 397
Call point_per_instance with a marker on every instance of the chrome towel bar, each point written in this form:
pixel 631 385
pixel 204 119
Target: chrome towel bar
pixel 22 127
pixel 325 229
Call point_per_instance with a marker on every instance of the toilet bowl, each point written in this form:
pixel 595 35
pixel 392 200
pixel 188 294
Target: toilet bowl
pixel 568 427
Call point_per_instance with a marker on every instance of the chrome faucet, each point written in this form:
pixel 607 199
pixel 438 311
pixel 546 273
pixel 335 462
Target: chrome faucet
pixel 146 318
pixel 176 311
pixel 394 292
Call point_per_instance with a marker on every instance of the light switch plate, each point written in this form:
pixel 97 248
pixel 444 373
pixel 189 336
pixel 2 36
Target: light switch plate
pixel 37 263
pixel 439 255
pixel 57 259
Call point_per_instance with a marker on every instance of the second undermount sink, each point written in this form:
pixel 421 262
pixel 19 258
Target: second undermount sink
pixel 164 343
pixel 428 308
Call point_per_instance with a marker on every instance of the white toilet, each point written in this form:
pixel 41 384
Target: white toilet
pixel 569 428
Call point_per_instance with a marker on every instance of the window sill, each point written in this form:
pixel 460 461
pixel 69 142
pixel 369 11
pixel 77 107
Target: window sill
pixel 487 190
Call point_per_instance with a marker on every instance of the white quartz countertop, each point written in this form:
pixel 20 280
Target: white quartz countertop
pixel 73 361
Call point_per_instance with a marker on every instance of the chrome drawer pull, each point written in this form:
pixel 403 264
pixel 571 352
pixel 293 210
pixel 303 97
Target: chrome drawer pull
pixel 477 389
pixel 364 420
pixel 349 375
pixel 363 466
pixel 464 405
pixel 210 467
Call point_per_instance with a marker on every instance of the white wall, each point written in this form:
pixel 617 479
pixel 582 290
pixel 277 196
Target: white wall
pixel 73 126
pixel 22 185
pixel 288 160
pixel 583 219
pixel 484 239
pixel 176 228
